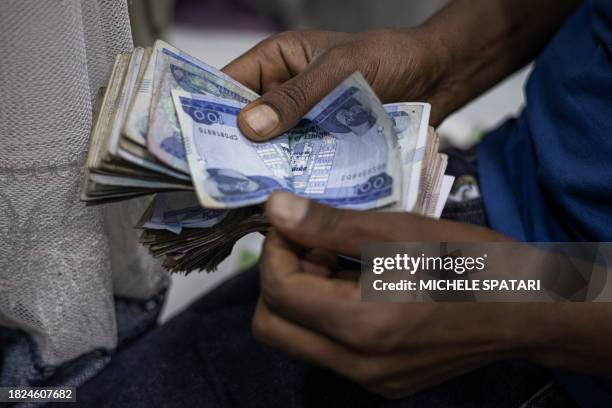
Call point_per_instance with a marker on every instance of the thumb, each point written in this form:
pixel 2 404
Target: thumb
pixel 310 224
pixel 314 225
pixel 281 108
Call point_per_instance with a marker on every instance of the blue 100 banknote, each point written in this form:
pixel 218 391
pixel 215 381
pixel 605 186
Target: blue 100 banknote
pixel 177 70
pixel 345 153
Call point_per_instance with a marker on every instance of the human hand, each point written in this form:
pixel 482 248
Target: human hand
pixel 393 349
pixel 295 70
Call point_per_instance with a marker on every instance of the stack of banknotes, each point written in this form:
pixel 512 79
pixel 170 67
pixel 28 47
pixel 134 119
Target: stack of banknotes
pixel 167 125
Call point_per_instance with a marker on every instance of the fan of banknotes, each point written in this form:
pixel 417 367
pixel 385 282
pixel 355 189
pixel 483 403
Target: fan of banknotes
pixel 166 124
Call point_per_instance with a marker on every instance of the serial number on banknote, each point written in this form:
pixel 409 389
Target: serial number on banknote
pixel 217 133
pixel 366 172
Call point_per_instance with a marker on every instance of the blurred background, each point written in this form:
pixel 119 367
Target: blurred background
pixel 217 31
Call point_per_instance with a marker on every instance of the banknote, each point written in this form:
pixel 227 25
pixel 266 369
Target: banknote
pixel 432 173
pixel 345 156
pixel 203 248
pixel 123 102
pixel 177 210
pixel 227 169
pixel 310 149
pixel 177 70
pixel 113 159
pixel 136 183
pixel 361 166
pixel 432 196
pixel 410 121
pixel 104 120
pixel 140 157
pixel 137 121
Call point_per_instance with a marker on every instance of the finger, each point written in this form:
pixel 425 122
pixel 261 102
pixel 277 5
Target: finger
pixel 347 274
pixel 246 69
pixel 392 375
pixel 281 108
pixel 311 224
pixel 281 265
pixel 319 261
pixel 261 68
pixel 370 370
pixel 329 306
pixel 274 60
pixel 300 342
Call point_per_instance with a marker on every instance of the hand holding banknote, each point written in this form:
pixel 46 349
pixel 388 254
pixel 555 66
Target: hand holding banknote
pixel 169 122
pixel 294 70
pixel 310 310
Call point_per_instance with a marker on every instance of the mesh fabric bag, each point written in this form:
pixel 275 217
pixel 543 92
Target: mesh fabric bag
pixel 61 263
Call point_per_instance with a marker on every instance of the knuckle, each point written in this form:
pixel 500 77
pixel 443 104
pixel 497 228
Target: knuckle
pixel 367 342
pixel 274 281
pixel 267 260
pixel 273 291
pixel 271 287
pixel 285 37
pixel 363 56
pixel 329 219
pixel 266 44
pixel 266 264
pixel 349 55
pixel 341 53
pixel 360 371
pixel 293 97
pixel 270 263
pixel 269 47
pixel 259 326
pixel 369 372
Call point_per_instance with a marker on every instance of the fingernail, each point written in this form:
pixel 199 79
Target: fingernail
pixel 262 119
pixel 287 208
